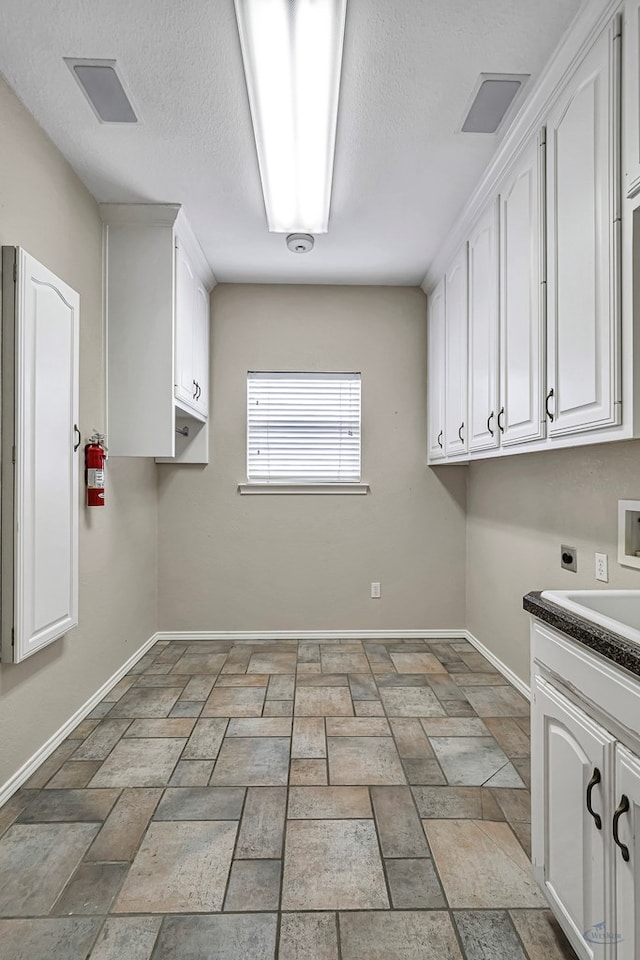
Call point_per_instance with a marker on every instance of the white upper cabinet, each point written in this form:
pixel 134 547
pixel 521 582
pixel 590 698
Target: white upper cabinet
pixel 582 253
pixel 40 318
pixel 201 357
pixel 631 105
pixel 483 433
pixel 552 279
pixel 435 413
pixel 158 334
pixel 192 338
pixel 456 356
pixel 521 300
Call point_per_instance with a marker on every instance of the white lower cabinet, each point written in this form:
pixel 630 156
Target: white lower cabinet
pixel 627 854
pixel 574 753
pixel 585 796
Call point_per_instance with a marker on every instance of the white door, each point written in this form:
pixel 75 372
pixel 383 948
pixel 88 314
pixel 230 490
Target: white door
pixel 571 772
pixel 201 349
pixel 483 332
pixel 185 307
pixel 583 157
pixel 40 499
pixel 456 427
pixel 435 373
pixel 626 812
pixel 521 300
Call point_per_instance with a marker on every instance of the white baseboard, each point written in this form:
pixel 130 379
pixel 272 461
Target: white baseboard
pixel 318 635
pixel 495 661
pixel 328 635
pixel 32 764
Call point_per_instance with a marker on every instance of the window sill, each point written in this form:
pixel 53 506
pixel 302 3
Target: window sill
pixel 303 488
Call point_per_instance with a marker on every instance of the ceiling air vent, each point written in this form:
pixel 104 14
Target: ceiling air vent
pixel 104 89
pixel 491 100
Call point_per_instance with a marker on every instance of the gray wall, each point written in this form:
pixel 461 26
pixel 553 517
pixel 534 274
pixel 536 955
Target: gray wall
pixel 306 562
pixel 45 208
pixel 520 509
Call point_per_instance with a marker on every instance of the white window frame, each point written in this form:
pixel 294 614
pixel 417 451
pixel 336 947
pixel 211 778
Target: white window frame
pixel 283 485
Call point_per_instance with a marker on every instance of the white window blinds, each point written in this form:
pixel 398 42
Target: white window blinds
pixel 303 427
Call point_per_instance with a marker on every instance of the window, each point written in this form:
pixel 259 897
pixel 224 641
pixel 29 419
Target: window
pixel 303 428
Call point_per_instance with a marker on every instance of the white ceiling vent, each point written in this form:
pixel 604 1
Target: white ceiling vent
pixel 492 99
pixel 104 89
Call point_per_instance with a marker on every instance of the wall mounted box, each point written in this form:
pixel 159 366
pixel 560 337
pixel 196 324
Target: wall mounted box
pixel 157 306
pixel 629 533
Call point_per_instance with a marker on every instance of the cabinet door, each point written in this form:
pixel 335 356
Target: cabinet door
pixel 521 300
pixel 483 332
pixel 456 356
pixel 627 914
pixel 40 488
pixel 436 321
pixel 583 249
pixel 185 308
pixel 201 349
pixel 569 750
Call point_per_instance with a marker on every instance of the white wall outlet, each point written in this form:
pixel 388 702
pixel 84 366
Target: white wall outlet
pixel 602 567
pixel 375 591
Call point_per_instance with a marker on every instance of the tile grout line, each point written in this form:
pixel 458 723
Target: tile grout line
pixel 166 786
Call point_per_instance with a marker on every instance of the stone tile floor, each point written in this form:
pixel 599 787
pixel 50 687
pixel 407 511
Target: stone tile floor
pixel 292 800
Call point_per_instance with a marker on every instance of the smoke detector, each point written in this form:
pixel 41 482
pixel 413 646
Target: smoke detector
pixel 300 242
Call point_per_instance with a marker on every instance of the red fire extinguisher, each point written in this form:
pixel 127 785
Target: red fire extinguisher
pixel 95 454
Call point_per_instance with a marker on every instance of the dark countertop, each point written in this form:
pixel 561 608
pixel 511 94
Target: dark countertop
pixel 609 645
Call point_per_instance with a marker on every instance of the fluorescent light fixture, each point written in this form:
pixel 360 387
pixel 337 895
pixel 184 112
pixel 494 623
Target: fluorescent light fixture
pixel 104 89
pixel 292 53
pixel 493 96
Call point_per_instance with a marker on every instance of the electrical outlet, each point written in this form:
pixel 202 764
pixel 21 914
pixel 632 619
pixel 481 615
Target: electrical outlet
pixel 375 591
pixel 602 567
pixel 568 558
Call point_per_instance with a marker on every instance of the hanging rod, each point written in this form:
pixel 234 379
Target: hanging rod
pixel 183 431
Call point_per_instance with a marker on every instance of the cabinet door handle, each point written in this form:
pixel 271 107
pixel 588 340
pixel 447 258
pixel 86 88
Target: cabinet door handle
pixel 195 389
pixel 489 419
pixel 500 424
pixel 460 429
pixel 440 440
pixel 79 436
pixel 623 807
pixel 595 779
pixel 546 405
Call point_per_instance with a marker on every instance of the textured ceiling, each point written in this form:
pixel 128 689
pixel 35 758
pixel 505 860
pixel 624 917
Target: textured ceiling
pixel 401 174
